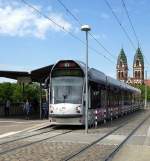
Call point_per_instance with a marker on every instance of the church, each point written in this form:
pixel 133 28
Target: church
pixel 138 68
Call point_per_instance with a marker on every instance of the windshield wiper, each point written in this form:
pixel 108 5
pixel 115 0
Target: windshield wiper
pixel 65 97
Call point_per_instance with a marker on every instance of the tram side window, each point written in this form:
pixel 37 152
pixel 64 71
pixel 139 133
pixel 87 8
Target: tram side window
pixel 127 98
pixel 132 98
pixel 95 98
pixel 120 98
pixel 103 98
pixel 116 100
pixel 110 99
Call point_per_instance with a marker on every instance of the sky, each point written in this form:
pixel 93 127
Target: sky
pixel 29 41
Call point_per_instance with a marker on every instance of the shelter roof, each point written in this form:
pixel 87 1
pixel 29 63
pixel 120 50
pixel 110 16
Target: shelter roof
pixel 38 75
pixel 14 74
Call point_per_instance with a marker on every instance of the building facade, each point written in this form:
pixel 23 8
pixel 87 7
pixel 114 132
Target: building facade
pixel 138 68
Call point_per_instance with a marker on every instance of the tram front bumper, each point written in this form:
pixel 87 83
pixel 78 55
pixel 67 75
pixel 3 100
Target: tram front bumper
pixel 66 120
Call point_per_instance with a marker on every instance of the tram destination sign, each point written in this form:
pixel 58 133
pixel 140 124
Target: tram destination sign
pixel 67 64
pixel 67 72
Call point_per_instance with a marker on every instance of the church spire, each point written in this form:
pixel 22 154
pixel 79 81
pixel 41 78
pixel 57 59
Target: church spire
pixel 122 66
pixel 138 67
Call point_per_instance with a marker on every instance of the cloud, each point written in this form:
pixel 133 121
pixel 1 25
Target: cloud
pixel 2 80
pixel 3 65
pixel 13 67
pixel 100 36
pixel 104 36
pixel 19 20
pixel 104 16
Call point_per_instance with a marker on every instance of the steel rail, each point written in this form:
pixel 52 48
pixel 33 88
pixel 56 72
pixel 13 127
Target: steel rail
pixel 86 147
pixel 29 144
pixel 111 155
pixel 25 137
pixel 69 157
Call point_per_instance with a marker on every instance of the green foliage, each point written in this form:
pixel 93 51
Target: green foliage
pixel 32 92
pixel 6 91
pixel 142 88
pixel 16 93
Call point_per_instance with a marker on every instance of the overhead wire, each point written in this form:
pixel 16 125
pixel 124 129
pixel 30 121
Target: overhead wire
pixel 67 10
pixel 120 24
pixel 132 26
pixel 90 33
pixel 63 28
pixel 53 21
pixel 124 30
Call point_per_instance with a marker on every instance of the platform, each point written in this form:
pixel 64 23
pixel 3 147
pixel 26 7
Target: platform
pixel 13 126
pixel 59 142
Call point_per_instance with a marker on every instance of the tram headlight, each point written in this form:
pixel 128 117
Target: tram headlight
pixel 78 109
pixel 51 109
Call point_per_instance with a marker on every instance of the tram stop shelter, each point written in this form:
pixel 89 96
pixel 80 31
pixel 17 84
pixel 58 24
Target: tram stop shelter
pixel 40 75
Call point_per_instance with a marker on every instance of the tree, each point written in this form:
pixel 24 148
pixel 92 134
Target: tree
pixel 32 92
pixel 6 91
pixel 14 92
pixel 142 88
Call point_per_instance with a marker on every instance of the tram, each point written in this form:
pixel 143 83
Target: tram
pixel 108 98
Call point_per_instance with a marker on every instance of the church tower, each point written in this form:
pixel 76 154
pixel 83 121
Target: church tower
pixel 138 67
pixel 122 67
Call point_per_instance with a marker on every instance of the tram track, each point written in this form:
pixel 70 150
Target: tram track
pixel 114 152
pixel 25 137
pixel 81 151
pixel 19 145
pixel 52 147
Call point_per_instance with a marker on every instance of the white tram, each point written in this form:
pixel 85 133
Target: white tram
pixel 108 98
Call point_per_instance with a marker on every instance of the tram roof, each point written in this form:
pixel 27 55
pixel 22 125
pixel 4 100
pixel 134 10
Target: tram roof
pixel 100 77
pixel 41 74
pixel 93 74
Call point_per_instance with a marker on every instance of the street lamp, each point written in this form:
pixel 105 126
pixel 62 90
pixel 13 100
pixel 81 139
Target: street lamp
pixel 86 28
pixel 145 89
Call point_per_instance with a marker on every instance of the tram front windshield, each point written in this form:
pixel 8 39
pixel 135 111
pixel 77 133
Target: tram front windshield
pixel 67 90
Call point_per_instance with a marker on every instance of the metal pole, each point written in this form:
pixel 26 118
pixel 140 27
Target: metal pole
pixel 146 90
pixel 40 101
pixel 23 91
pixel 87 98
pixel 46 95
pixel 49 97
pixel 86 28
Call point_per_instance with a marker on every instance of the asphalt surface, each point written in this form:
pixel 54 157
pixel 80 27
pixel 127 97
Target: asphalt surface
pixel 137 147
pixel 56 143
pixel 9 126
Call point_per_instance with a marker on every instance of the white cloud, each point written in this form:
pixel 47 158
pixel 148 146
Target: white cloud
pixel 104 16
pixel 20 20
pixel 2 80
pixel 12 67
pixel 3 65
pixel 104 36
